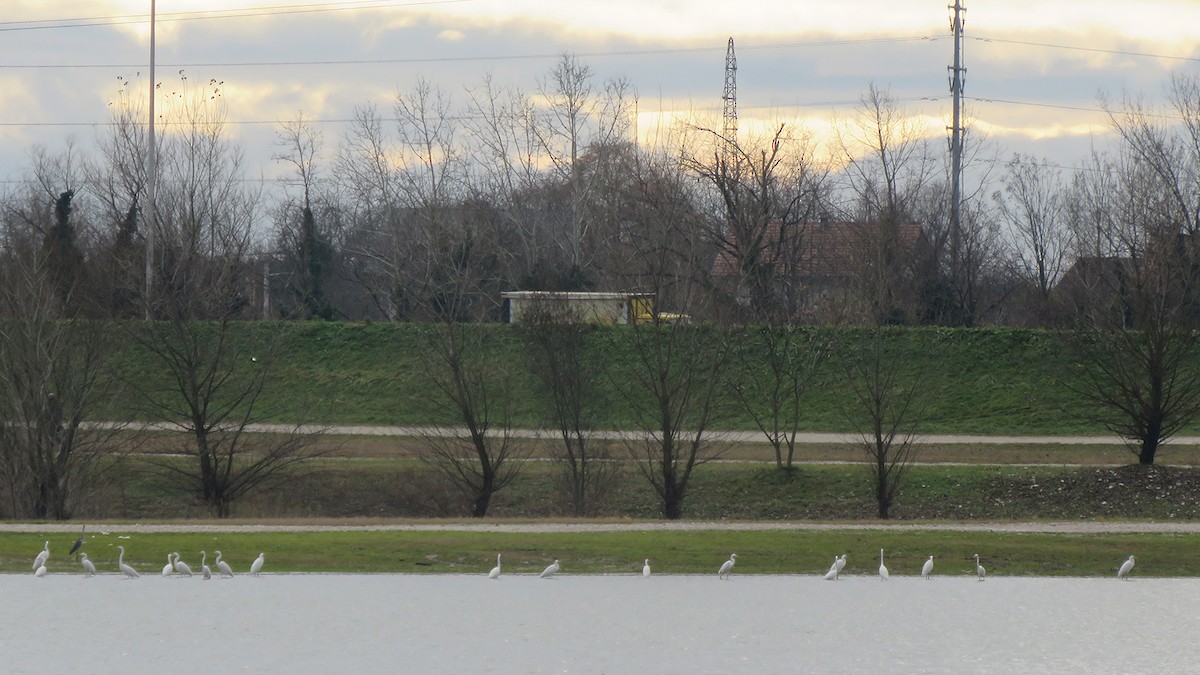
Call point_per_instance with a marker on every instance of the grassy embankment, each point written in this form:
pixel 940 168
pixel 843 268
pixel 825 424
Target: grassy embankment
pixel 999 381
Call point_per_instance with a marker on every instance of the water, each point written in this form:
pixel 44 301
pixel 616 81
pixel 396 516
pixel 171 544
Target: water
pixel 596 624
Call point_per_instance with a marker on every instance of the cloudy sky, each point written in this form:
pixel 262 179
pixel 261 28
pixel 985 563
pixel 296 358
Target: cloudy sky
pixel 1035 68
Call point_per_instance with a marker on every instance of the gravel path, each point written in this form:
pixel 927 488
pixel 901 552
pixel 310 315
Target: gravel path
pixel 1064 527
pixel 726 436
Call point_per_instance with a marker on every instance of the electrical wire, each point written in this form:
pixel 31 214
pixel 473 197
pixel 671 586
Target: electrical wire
pixel 487 57
pixel 275 10
pixel 1098 50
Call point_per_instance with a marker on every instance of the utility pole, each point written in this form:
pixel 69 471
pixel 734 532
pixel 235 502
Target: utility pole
pixel 956 139
pixel 151 180
pixel 730 127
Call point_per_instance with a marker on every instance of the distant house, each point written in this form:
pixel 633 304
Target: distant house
pixel 825 258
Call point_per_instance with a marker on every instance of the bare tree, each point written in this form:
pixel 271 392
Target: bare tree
pixel 556 342
pixel 210 384
pixel 1136 337
pixel 509 159
pixel 678 368
pixel 308 254
pixel 768 193
pixel 477 454
pixel 1032 206
pixel 53 375
pixel 442 256
pixel 886 414
pixel 888 165
pixel 117 181
pixel 792 354
pixel 366 171
pixel 577 117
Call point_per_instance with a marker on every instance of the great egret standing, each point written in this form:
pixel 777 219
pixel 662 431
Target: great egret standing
pixel 979 571
pixel 256 566
pixel 927 568
pixel 646 568
pixel 126 569
pixel 223 567
pixel 832 574
pixel 42 556
pixel 727 568
pixel 181 566
pixel 841 563
pixel 1126 568
pixel 169 568
pixel 89 570
pixel 205 570
pixel 883 573
pixel 549 571
pixel 78 542
pixel 495 573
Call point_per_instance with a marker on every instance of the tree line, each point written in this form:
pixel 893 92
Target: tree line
pixel 428 212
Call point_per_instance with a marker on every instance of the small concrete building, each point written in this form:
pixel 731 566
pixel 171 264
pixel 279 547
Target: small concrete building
pixel 591 307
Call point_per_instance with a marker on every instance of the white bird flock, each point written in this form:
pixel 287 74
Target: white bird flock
pixel 174 567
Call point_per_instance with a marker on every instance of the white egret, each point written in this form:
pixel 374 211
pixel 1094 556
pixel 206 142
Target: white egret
pixel 89 570
pixel 223 567
pixel 256 566
pixel 169 568
pixel 205 570
pixel 42 556
pixel 832 574
pixel 495 573
pixel 549 571
pixel 927 568
pixel 181 566
pixel 727 568
pixel 841 563
pixel 883 573
pixel 646 568
pixel 126 569
pixel 40 571
pixel 1126 568
pixel 979 571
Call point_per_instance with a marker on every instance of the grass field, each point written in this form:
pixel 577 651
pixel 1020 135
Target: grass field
pixel 670 552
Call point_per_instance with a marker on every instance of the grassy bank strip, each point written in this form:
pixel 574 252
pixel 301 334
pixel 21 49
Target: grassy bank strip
pixel 670 552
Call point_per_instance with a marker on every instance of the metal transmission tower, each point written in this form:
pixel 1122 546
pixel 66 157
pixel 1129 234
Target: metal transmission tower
pixel 957 132
pixel 729 130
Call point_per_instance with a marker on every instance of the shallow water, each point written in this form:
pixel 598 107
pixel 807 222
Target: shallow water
pixel 596 624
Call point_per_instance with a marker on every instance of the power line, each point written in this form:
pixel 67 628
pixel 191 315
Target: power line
pixel 276 10
pixel 1098 50
pixel 453 59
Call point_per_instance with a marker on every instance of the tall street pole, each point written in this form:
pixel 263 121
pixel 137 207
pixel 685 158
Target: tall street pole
pixel 151 179
pixel 956 141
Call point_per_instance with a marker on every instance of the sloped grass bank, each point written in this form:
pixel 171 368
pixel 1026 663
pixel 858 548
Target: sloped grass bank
pixel 979 381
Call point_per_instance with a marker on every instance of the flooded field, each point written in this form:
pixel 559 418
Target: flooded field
pixel 596 624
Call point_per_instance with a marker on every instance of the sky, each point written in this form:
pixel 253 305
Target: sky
pixel 1035 69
